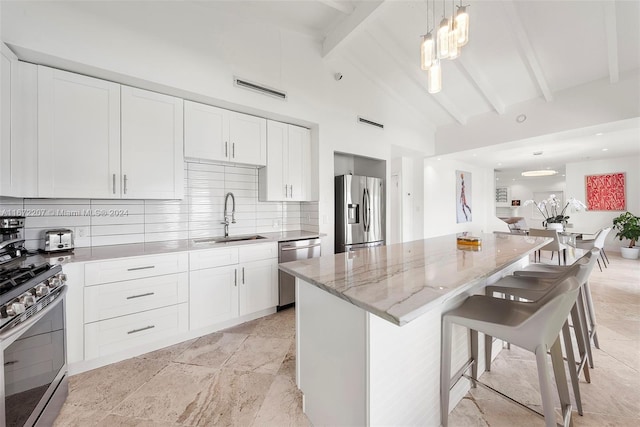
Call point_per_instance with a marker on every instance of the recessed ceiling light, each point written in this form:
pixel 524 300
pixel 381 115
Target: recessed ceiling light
pixel 439 158
pixel 497 179
pixel 605 149
pixel 513 179
pixel 475 155
pixel 543 172
pixel 599 134
pixel 499 164
pixel 521 118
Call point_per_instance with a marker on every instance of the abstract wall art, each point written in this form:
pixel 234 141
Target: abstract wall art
pixel 606 192
pixel 463 196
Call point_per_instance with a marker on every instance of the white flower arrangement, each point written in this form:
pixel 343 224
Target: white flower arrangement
pixel 549 209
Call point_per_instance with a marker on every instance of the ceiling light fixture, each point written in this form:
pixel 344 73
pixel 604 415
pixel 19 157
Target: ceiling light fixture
pixel 542 172
pixel 450 36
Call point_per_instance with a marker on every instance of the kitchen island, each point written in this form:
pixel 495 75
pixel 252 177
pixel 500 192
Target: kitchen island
pixel 368 325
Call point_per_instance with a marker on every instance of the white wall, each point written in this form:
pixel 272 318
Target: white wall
pixel 157 59
pixel 440 198
pixel 594 220
pixel 524 189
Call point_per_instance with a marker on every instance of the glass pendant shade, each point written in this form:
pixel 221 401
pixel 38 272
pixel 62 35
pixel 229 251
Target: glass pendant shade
pixel 434 78
pixel 426 51
pixel 454 49
pixel 443 39
pixel 462 25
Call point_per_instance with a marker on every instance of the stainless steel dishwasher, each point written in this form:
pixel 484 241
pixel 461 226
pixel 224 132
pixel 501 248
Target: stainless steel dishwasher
pixel 293 250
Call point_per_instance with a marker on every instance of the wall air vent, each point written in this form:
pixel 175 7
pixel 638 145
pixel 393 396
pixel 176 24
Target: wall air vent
pixel 256 87
pixel 370 122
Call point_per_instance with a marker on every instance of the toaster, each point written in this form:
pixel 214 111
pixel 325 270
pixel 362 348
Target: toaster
pixel 57 240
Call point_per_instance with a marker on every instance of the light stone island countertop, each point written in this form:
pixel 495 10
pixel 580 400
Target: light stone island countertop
pixel 400 282
pixel 98 253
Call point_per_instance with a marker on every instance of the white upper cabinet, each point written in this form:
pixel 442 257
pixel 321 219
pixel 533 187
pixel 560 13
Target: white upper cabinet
pixel 247 139
pixel 18 126
pixel 98 139
pixel 213 133
pixel 78 135
pixel 206 133
pixel 287 176
pixel 152 145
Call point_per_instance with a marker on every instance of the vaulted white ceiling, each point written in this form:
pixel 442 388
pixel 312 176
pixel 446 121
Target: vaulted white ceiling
pixel 519 50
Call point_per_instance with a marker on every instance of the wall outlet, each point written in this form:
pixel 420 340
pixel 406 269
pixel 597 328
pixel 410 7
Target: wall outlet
pixel 82 231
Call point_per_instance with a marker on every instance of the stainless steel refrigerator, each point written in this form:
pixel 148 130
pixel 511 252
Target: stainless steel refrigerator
pixel 359 212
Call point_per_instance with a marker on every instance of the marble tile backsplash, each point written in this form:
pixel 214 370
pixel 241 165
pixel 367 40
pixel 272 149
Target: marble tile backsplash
pixel 112 222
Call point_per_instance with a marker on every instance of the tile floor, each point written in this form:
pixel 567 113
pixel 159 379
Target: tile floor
pixel 245 376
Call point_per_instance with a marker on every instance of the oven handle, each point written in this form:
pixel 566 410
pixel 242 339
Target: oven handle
pixel 34 319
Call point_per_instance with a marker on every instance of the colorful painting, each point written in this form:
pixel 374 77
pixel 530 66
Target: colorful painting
pixel 463 196
pixel 606 192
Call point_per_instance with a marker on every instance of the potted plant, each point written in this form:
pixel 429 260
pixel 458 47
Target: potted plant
pixel 627 226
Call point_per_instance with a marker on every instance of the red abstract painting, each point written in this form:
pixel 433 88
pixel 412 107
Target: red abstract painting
pixel 606 192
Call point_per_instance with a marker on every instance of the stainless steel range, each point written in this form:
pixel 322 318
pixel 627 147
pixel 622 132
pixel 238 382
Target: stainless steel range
pixel 11 239
pixel 33 340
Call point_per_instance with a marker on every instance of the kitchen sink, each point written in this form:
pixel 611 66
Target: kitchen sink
pixel 210 240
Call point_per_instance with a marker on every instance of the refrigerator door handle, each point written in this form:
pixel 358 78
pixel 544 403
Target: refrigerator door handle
pixel 368 210
pixel 365 208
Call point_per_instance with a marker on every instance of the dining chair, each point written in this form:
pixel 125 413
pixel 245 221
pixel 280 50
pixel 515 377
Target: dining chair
pixel 555 246
pixel 597 242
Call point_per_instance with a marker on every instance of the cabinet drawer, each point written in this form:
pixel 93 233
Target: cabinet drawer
pixel 212 258
pixel 114 335
pixel 259 251
pixel 134 268
pixel 132 296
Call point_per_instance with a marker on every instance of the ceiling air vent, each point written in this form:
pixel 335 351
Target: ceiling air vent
pixel 260 88
pixel 370 122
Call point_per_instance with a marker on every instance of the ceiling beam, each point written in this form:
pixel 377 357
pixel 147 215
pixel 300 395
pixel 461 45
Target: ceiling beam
pixel 349 25
pixel 411 68
pixel 346 9
pixel 611 28
pixel 525 49
pixel 478 79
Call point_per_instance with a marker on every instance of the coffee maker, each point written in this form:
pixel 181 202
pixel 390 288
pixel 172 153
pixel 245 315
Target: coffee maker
pixel 11 239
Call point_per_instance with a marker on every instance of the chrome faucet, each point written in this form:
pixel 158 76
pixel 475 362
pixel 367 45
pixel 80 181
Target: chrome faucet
pixel 226 214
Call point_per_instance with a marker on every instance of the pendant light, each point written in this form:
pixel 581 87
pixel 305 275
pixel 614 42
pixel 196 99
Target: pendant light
pixel 462 25
pixel 427 47
pixel 443 39
pixel 434 77
pixel 427 50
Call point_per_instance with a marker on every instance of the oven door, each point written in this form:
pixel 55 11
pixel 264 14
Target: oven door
pixel 34 375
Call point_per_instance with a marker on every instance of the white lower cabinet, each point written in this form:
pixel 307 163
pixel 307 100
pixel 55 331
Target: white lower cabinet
pixel 257 291
pixel 134 301
pixel 213 296
pixel 237 281
pixel 122 333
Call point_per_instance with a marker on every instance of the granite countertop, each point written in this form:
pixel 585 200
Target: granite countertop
pixel 400 282
pixel 98 253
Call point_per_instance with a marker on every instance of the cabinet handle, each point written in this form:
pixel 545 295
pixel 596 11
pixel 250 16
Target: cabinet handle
pixel 235 277
pixel 114 183
pixel 291 187
pixel 141 295
pixel 11 362
pixel 243 275
pixel 125 183
pixel 233 150
pixel 141 329
pixel 226 149
pixel 141 268
pixel 286 191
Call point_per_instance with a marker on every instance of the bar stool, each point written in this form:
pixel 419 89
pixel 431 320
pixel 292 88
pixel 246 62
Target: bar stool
pixel 585 300
pixel 533 288
pixel 531 326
